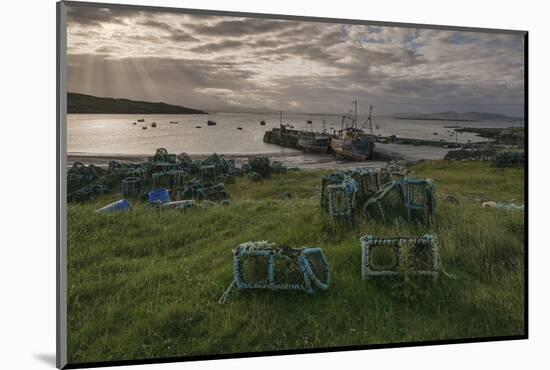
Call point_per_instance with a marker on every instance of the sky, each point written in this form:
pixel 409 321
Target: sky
pixel 219 63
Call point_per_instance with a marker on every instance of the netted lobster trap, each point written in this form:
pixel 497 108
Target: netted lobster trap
pixel 208 173
pixel 260 165
pixel 263 265
pixel 395 256
pixel 131 187
pixel 411 199
pixel 338 195
pixel 169 179
pixel 368 182
pixel 162 155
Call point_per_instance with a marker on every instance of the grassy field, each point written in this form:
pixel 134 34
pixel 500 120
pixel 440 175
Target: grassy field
pixel 146 284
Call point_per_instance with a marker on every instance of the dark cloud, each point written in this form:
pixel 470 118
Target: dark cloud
pixel 97 16
pixel 217 46
pixel 237 28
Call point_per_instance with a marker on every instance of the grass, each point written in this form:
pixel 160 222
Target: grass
pixel 146 284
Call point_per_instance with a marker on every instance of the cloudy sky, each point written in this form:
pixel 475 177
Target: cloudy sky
pixel 217 63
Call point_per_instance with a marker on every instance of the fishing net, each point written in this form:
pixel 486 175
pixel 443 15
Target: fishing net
pixel 393 256
pixel 263 265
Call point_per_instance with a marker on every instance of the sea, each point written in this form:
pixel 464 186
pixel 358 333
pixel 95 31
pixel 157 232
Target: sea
pixel 234 133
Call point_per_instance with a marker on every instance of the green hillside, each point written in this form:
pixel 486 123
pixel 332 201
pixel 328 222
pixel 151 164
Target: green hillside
pixel 81 103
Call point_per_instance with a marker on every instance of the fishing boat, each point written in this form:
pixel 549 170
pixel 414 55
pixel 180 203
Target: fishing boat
pixel 174 122
pixel 141 120
pixel 239 128
pixel 198 126
pixel 352 142
pixel 154 124
pixel 211 123
pixel 319 143
pixel 144 127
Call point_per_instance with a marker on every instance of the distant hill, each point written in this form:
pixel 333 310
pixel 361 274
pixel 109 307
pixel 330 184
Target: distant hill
pixel 452 115
pixel 81 103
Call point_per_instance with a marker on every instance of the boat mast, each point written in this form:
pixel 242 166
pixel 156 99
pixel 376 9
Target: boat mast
pixel 355 109
pixel 370 118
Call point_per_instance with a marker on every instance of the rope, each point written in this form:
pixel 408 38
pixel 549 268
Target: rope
pixel 225 294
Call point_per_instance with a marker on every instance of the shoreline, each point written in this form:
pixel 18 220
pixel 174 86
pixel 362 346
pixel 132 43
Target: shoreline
pixel 384 153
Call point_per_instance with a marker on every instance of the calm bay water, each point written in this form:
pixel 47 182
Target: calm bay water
pixel 115 133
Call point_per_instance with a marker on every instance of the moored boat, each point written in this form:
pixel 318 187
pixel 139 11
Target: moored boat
pixel 154 124
pixel 141 120
pixel 315 144
pixel 211 123
pixel 353 143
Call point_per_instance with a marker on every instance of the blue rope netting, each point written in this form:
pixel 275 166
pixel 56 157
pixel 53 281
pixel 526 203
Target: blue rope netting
pixel 261 265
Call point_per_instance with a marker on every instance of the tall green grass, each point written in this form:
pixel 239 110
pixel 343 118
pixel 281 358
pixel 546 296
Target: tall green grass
pixel 146 284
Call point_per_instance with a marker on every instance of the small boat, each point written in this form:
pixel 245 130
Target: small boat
pixel 262 123
pixel 141 120
pixel 309 122
pixel 239 128
pixel 315 144
pixel 211 123
pixel 134 123
pixel 198 126
pixel 377 127
pixel 154 124
pixel 174 122
pixel 435 133
pixel 144 127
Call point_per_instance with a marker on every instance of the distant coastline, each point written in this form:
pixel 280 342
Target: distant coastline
pixel 88 104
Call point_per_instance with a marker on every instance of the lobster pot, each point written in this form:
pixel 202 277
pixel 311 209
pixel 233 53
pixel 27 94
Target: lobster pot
pixel 177 178
pixel 341 199
pixel 131 187
pixel 215 193
pixel 367 181
pixel 193 190
pixel 161 180
pixel 413 200
pixel 394 256
pixel 260 165
pixel 164 166
pixel 332 179
pixel 261 265
pixel 208 173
